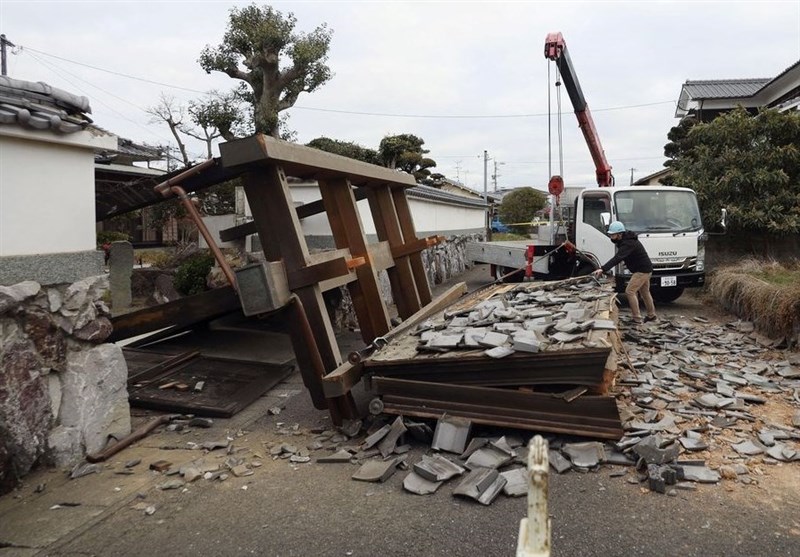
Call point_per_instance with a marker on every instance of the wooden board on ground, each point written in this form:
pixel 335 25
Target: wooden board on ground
pixel 228 386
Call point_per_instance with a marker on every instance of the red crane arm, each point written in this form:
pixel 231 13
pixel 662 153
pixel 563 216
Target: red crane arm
pixel 555 49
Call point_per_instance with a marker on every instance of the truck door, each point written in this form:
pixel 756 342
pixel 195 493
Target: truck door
pixel 590 234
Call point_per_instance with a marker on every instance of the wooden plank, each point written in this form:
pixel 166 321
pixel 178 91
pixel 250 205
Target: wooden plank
pixel 387 226
pixel 409 233
pixel 306 162
pixel 412 247
pixel 178 314
pixel 348 232
pixel 318 272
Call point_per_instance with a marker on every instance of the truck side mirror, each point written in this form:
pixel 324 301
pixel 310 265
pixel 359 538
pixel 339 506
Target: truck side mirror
pixel 724 218
pixel 605 218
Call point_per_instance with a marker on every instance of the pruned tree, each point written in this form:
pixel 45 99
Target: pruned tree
pixel 345 149
pixel 749 165
pixel 405 152
pixel 261 48
pixel 520 205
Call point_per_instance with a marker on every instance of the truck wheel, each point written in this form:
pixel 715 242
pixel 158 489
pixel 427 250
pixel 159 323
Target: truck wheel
pixel 666 295
pixel 519 276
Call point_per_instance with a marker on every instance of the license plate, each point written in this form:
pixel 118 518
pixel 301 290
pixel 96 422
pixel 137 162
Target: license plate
pixel 669 281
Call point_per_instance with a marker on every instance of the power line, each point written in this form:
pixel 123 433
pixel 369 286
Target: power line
pixel 349 112
pixel 49 66
pixel 467 116
pixel 112 71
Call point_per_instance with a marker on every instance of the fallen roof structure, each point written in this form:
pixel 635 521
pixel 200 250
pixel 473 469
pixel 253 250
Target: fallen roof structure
pixel 509 355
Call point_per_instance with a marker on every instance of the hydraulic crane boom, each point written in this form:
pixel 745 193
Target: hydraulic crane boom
pixel 555 49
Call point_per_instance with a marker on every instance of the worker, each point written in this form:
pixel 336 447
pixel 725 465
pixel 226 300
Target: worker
pixel 632 252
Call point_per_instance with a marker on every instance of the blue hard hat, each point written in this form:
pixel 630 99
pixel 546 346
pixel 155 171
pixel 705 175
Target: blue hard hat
pixel 616 227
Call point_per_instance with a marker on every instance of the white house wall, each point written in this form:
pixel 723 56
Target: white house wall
pixel 46 198
pixel 430 216
pixel 47 205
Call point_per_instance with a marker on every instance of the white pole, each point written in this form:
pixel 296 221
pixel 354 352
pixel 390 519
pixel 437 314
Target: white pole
pixel 534 531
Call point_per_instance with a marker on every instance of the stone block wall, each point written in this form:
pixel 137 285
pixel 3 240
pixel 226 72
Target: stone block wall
pixel 63 392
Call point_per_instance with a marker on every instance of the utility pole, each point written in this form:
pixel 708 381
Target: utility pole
pixel 458 171
pixel 495 176
pixel 3 43
pixel 487 231
pixel 632 169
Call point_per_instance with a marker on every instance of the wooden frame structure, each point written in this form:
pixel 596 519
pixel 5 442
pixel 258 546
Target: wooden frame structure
pixel 264 163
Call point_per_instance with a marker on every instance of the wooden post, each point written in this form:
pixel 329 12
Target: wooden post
pixel 407 226
pixel 282 239
pixel 387 225
pixel 348 232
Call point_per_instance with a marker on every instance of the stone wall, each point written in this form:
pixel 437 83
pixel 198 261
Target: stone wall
pixel 62 391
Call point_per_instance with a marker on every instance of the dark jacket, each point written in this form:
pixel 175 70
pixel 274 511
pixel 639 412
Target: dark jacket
pixel 632 252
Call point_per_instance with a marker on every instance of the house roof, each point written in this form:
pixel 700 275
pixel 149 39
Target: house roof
pixel 435 194
pixel 724 88
pixel 128 152
pixel 644 180
pixel 721 89
pixel 38 106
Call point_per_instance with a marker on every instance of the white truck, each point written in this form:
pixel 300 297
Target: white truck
pixel 666 219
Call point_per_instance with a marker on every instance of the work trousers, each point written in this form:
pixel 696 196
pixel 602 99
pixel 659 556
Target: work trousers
pixel 640 284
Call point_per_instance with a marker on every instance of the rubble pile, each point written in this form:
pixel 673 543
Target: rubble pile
pixel 705 402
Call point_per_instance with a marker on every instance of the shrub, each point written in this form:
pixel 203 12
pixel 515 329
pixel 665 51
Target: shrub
pixel 158 259
pixel 190 276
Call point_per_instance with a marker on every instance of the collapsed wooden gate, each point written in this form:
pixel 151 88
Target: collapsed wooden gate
pixel 264 164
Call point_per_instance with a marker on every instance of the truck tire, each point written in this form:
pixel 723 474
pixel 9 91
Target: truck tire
pixel 519 276
pixel 666 295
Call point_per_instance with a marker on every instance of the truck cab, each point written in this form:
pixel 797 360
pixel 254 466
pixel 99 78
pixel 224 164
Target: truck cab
pixel 667 221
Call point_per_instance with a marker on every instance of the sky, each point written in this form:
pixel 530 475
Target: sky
pixel 466 77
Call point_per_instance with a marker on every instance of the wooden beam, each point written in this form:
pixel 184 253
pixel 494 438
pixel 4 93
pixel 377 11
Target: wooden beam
pixel 318 272
pixel 282 239
pixel 306 162
pixel 180 314
pixel 416 246
pixel 407 226
pixel 387 226
pixel 348 232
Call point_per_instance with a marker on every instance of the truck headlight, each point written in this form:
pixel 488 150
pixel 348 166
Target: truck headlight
pixel 701 256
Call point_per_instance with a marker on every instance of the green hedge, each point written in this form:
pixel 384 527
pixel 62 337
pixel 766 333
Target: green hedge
pixel 190 276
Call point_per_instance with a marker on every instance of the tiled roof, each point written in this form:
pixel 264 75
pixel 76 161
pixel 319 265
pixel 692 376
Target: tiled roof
pixel 434 194
pixel 39 106
pixel 724 88
pixel 129 152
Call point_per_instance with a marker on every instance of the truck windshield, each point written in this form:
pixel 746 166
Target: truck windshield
pixel 658 210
